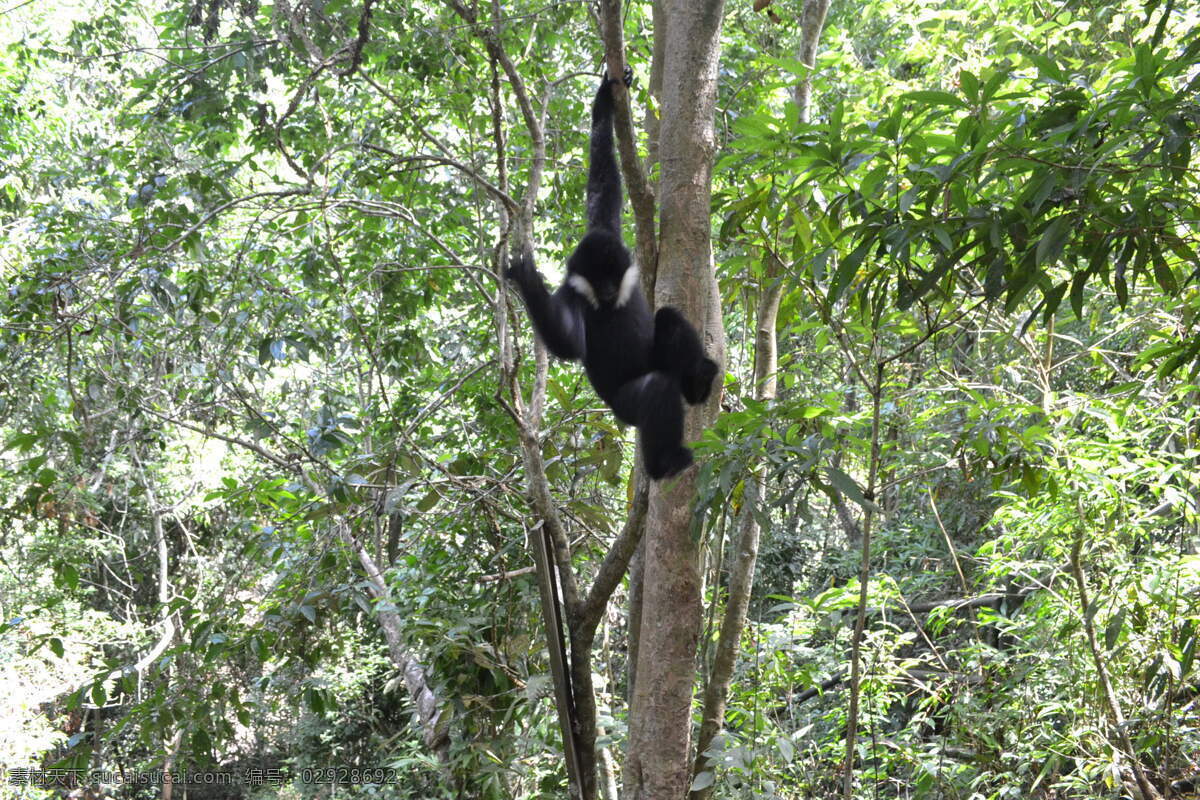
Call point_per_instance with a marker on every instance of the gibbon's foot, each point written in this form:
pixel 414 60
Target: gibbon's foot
pixel 697 386
pixel 670 463
pixel 678 350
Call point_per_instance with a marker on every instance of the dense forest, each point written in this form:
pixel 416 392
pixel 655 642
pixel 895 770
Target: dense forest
pixel 294 502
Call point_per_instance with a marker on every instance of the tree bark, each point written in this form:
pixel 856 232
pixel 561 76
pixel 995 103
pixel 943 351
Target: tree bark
pixel 636 574
pixel 812 22
pixel 737 606
pixel 658 763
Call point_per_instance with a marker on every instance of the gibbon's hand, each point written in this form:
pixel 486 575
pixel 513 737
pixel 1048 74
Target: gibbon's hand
pixel 626 79
pixel 520 267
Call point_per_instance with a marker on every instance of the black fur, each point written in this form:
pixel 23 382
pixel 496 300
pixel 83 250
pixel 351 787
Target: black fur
pixel 642 366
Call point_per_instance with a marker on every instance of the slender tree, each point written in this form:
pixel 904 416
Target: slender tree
pixel 659 759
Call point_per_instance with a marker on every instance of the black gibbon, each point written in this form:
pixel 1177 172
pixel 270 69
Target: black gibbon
pixel 642 366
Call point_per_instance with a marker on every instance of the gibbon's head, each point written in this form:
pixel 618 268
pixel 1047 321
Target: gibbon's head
pixel 602 270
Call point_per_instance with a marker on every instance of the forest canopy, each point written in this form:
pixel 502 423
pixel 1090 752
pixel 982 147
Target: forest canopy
pixel 289 487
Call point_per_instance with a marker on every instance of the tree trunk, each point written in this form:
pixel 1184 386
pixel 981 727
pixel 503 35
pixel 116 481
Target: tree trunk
pixel 811 24
pixel 658 764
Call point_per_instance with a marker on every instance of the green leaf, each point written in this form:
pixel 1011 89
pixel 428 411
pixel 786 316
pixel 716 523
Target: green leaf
pixel 1112 631
pixel 260 648
pixel 849 487
pixel 428 501
pixel 1077 285
pixel 1052 300
pixel 68 575
pixel 22 442
pixel 265 351
pixel 847 269
pixel 787 750
pixel 1050 246
pixel 1163 275
pixel 969 85
pixel 934 97
pixel 1047 67
pixel 201 741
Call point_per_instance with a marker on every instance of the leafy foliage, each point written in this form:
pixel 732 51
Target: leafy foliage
pixel 250 336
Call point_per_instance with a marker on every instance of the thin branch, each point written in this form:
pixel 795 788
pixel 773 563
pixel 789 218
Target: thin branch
pixel 1113 705
pixel 490 36
pixel 471 173
pixel 356 49
pixel 251 446
pixel 446 395
pixel 507 576
pixel 864 575
pixel 11 9
pixel 962 579
pixel 616 561
pixel 178 240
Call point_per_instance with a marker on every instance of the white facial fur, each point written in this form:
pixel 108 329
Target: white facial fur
pixel 629 284
pixel 581 285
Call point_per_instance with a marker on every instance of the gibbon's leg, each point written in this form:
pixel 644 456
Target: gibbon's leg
pixel 677 350
pixel 652 403
pixel 604 178
pixel 556 317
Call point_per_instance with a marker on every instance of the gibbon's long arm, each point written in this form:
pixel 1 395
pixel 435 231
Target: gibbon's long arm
pixel 604 177
pixel 557 318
